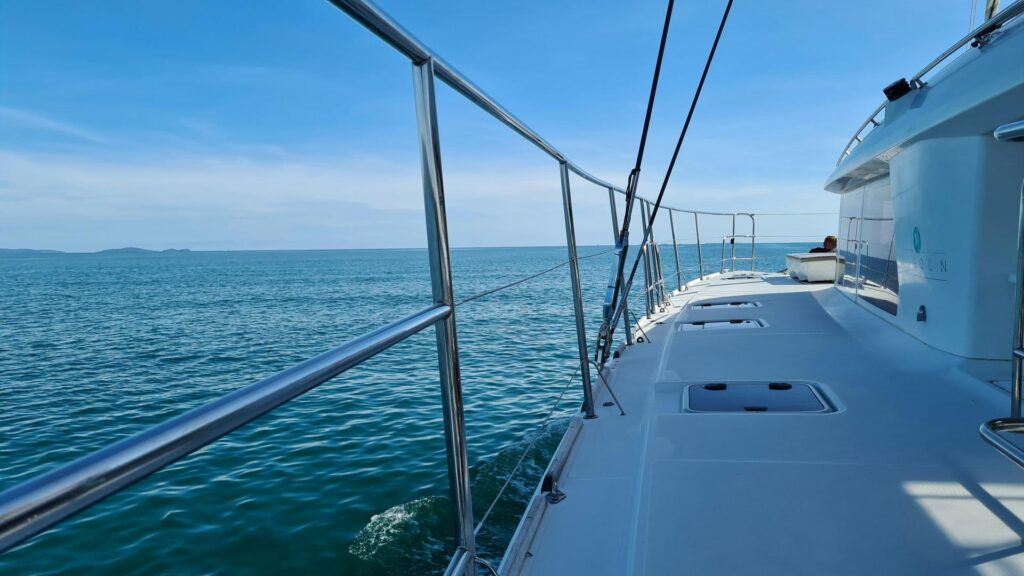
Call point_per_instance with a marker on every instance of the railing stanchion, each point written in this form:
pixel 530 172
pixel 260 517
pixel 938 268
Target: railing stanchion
pixel 732 245
pixel 753 242
pixel 615 238
pixel 700 257
pixel 993 431
pixel 659 277
pixel 615 216
pixel 660 270
pixel 625 315
pixel 675 250
pixel 658 282
pixel 577 294
pixel 1018 332
pixel 647 261
pixel 447 345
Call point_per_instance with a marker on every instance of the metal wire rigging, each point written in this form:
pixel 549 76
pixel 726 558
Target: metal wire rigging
pixel 603 343
pixel 525 279
pixel 540 431
pixel 675 156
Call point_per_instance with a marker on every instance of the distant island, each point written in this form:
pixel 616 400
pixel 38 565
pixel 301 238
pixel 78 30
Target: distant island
pixel 27 251
pixel 134 250
pixel 126 250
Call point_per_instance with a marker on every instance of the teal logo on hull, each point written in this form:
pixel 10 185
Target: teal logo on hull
pixel 917 240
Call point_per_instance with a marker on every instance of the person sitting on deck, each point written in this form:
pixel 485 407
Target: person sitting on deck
pixel 829 245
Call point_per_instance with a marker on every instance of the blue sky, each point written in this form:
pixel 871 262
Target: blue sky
pixel 284 125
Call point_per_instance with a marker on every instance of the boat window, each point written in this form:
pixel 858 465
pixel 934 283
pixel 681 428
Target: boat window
pixel 867 257
pixel 879 282
pixel 850 206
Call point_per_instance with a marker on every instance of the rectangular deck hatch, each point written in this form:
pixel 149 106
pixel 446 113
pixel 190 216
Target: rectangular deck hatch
pixel 744 324
pixel 725 305
pixel 755 397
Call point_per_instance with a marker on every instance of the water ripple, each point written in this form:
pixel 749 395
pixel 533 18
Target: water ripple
pixel 350 478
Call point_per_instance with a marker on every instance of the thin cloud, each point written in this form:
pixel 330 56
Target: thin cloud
pixel 33 121
pixel 238 199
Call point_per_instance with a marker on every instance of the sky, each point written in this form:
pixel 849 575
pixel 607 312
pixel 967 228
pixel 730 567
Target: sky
pixel 284 125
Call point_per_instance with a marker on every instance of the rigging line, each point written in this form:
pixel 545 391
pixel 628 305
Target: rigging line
pixel 638 327
pixel 608 385
pixel 540 430
pixel 634 175
pixel 654 90
pixel 526 279
pixel 682 136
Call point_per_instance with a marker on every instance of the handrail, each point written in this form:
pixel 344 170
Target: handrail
pixel 402 40
pixel 1009 132
pixel 34 506
pixel 990 430
pixel 976 35
pixel 376 21
pixel 38 504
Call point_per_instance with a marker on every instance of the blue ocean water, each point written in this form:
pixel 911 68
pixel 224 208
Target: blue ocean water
pixel 350 478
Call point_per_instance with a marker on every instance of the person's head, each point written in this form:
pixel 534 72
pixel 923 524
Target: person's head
pixel 830 243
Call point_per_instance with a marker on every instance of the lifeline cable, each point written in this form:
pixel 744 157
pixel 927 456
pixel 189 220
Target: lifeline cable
pixel 479 295
pixel 540 430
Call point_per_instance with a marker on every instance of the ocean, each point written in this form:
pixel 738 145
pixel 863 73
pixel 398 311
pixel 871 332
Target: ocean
pixel 348 479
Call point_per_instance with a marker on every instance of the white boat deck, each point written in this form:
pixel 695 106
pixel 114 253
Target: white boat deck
pixel 895 481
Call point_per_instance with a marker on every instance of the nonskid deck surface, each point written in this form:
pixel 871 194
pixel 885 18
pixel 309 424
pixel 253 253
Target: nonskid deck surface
pixel 895 480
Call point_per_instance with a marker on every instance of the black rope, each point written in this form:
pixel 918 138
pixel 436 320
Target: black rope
pixel 679 143
pixel 634 175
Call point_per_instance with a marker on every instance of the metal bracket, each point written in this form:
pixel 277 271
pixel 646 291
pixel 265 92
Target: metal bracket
pixel 550 485
pixel 556 495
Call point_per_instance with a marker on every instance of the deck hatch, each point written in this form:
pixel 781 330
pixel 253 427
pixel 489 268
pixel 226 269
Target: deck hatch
pixel 755 397
pixel 735 324
pixel 725 305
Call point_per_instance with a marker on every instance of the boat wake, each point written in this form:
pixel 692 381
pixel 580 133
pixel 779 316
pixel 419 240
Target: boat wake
pixel 416 536
pixel 408 538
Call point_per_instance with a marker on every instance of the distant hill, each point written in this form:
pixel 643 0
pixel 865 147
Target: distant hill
pixel 134 250
pixel 126 250
pixel 28 251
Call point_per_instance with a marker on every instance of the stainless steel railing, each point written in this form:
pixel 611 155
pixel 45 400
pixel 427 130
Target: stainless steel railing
pixel 40 503
pixel 994 431
pixel 976 37
pixel 656 293
pixel 36 505
pixel 732 258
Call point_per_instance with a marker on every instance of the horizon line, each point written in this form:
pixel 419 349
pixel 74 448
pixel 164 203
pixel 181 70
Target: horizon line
pixel 135 249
